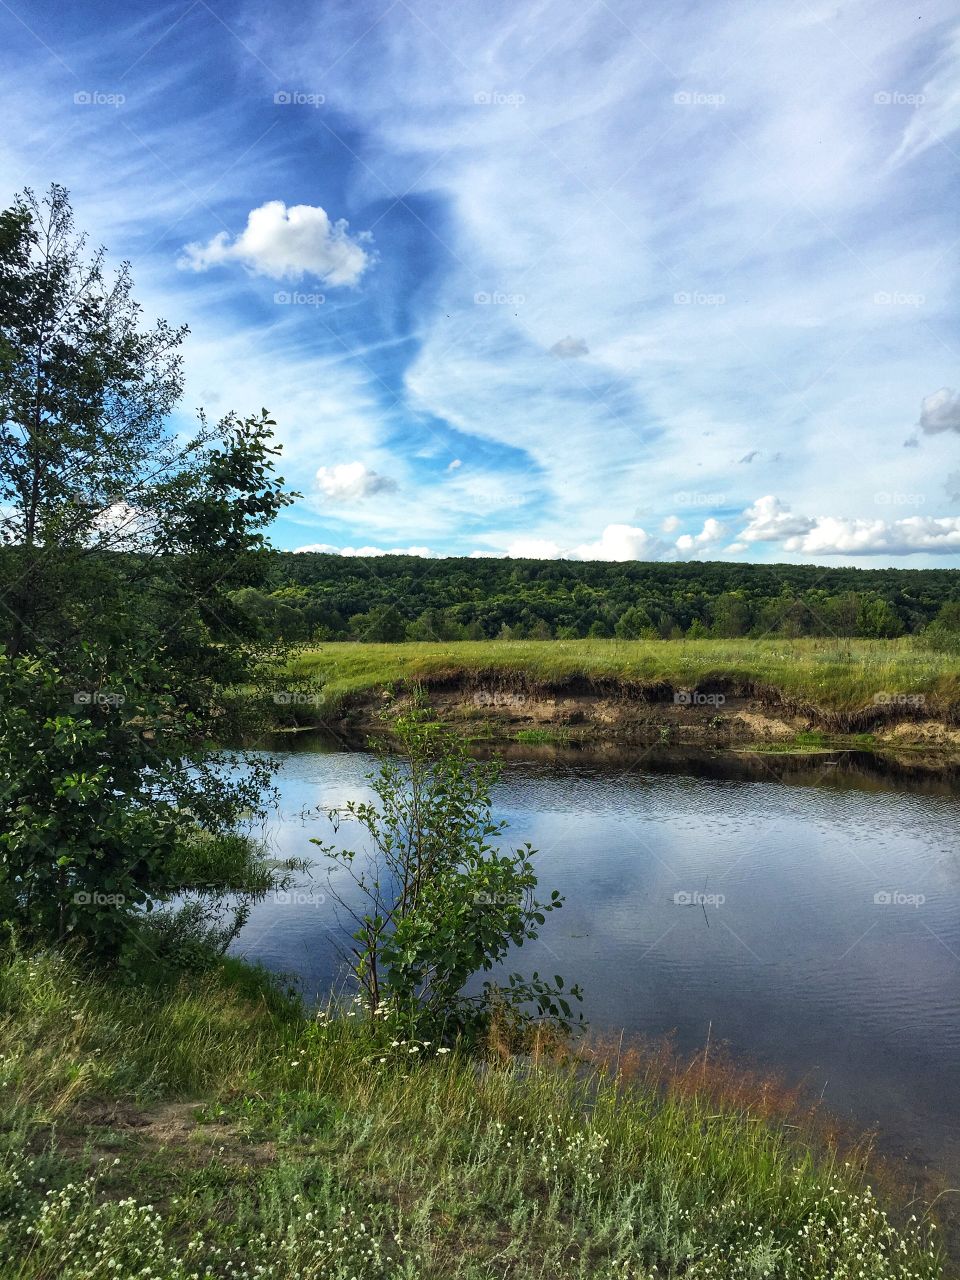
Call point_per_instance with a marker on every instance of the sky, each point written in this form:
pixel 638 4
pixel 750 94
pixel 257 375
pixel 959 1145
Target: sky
pixel 599 280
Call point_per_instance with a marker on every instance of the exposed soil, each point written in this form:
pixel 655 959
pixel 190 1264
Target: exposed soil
pixel 510 707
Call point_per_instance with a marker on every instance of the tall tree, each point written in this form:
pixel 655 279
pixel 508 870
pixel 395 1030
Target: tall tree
pixel 121 543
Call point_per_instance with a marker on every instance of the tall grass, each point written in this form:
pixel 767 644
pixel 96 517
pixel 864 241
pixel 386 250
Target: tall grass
pixel 322 1147
pixel 831 674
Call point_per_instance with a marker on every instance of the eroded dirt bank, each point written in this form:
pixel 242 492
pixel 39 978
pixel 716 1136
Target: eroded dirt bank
pixel 512 707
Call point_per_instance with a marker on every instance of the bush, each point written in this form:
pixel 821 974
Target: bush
pixel 440 901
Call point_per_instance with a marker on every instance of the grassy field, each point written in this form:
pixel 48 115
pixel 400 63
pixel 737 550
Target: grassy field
pixel 839 676
pixel 212 1129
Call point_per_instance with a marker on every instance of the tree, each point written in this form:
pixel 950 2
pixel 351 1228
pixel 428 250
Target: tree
pixel 943 634
pixel 124 548
pixel 599 630
pixel 730 614
pixel 433 899
pixel 382 625
pixel 633 623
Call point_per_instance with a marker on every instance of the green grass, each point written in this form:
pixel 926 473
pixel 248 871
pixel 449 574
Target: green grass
pixel 542 737
pixel 836 676
pixel 212 1129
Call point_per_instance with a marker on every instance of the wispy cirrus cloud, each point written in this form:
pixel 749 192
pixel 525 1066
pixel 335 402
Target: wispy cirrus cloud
pixel 747 215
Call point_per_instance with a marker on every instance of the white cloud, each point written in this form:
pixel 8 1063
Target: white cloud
pixel 352 481
pixel 455 465
pixel 534 549
pixel 286 244
pixel 779 199
pixel 833 536
pixel 121 527
pixel 570 348
pixel 711 533
pixel 326 548
pixel 621 542
pixel 936 113
pixel 671 524
pixel 770 520
pixel 940 412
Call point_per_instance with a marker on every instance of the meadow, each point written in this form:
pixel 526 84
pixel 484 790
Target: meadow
pixel 211 1127
pixel 836 675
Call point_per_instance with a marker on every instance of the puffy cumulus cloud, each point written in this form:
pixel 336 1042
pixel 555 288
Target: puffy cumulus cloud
pixel 286 244
pixel 616 542
pixel 327 549
pixel 833 536
pixel 570 348
pixel 534 549
pixel 352 481
pixel 671 524
pixel 771 520
pixel 122 527
pixel 710 534
pixel 940 412
pixel 621 542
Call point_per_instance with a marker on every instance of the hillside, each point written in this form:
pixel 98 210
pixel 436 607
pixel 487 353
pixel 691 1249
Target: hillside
pixel 388 598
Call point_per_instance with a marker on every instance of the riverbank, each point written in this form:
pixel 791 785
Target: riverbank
pixel 800 695
pixel 211 1128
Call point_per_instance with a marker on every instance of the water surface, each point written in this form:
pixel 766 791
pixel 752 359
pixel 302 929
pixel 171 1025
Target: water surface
pixel 808 914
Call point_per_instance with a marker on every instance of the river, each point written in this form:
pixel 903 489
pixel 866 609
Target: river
pixel 808 916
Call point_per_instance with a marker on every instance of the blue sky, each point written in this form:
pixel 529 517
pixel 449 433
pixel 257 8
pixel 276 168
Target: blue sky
pixel 597 280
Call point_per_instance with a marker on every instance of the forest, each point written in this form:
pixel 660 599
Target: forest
pixel 313 596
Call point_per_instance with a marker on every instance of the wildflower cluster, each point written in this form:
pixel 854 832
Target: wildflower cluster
pixel 76 1236
pixel 559 1154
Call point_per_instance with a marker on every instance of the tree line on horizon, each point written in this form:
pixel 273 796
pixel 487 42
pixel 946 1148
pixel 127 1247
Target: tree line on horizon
pixel 313 596
pixel 390 599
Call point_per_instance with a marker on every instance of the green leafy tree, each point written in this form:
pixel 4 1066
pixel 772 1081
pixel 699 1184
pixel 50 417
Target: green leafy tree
pixel 633 623
pixel 382 625
pixel 433 899
pixel 600 630
pixel 943 634
pixel 123 549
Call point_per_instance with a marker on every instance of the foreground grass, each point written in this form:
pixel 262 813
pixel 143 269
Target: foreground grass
pixel 211 1129
pixel 835 675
